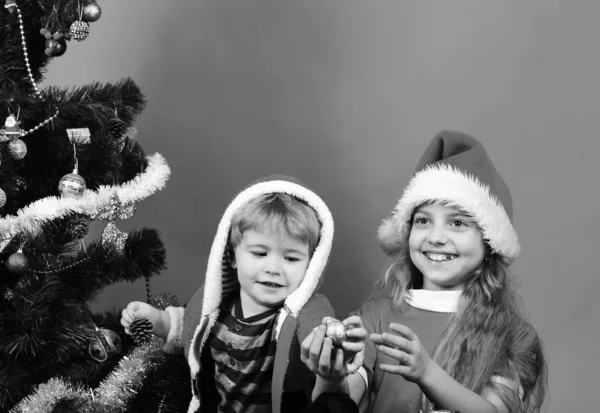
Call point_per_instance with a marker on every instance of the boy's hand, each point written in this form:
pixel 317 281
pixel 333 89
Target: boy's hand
pixel 329 362
pixel 138 309
pixel 402 344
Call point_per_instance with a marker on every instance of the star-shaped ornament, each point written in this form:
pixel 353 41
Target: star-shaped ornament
pixel 113 210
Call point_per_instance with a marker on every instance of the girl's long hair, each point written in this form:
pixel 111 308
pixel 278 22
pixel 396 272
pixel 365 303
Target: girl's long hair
pixel 487 336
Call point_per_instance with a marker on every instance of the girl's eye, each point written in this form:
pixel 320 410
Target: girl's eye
pixel 259 254
pixel 420 220
pixel 459 224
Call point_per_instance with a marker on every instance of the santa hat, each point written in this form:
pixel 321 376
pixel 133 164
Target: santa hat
pixel 455 169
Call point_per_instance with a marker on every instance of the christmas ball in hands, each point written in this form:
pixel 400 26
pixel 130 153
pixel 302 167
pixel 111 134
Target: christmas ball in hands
pixel 17 263
pixel 17 149
pixel 91 12
pixel 336 331
pixel 56 47
pixel 71 186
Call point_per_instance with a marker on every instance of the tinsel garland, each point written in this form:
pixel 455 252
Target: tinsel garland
pixel 112 395
pixel 30 218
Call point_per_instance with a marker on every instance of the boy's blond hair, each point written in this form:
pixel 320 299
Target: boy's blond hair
pixel 277 212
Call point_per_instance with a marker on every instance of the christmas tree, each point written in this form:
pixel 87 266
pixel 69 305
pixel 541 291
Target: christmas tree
pixel 67 158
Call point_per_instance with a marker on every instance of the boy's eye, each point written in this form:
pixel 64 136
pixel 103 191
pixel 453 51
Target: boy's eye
pixel 292 259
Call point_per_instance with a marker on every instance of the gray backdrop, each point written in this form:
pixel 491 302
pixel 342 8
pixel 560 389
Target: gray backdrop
pixel 345 94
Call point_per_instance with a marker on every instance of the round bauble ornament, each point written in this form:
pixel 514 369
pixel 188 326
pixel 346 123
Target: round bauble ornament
pixel 79 30
pixel 2 198
pixel 105 344
pixel 56 47
pixel 17 263
pixel 91 12
pixel 71 185
pixel 336 331
pixel 17 149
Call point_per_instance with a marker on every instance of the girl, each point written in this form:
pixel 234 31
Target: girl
pixel 449 294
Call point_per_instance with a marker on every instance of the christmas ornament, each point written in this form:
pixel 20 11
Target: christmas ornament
pixel 105 344
pixel 116 128
pixel 163 301
pixel 17 149
pixel 114 394
pixel 141 330
pixel 80 227
pixel 79 30
pixel 11 5
pixel 8 294
pixel 336 331
pixel 114 209
pixel 55 47
pixel 17 263
pixel 17 183
pixel 148 291
pixel 71 185
pixel 2 198
pixel 11 129
pixel 46 33
pixel 79 135
pixel 91 12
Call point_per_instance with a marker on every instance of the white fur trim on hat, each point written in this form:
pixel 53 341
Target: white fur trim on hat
pixel 444 183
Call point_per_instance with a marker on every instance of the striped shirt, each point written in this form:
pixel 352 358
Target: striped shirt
pixel 243 350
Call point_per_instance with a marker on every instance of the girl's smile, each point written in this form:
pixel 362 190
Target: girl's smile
pixel 439 257
pixel 445 245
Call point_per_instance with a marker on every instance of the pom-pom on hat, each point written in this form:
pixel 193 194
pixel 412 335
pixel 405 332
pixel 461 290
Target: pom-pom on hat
pixel 455 169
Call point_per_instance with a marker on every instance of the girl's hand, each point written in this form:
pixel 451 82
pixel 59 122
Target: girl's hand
pixel 402 344
pixel 355 337
pixel 138 309
pixel 327 361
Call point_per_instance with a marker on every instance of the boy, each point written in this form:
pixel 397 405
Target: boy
pixel 241 331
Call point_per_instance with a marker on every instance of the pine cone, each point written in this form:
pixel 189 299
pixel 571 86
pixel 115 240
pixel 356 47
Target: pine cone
pixel 141 330
pixel 116 128
pixel 80 227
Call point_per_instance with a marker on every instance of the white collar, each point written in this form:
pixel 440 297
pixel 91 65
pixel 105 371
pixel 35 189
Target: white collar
pixel 436 301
